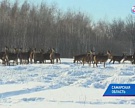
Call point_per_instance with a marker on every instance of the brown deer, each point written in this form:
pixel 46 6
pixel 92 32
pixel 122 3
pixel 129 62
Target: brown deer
pixel 54 55
pixel 11 56
pixel 128 58
pixel 38 56
pixel 133 58
pixel 47 57
pixel 2 54
pixel 57 57
pixel 24 56
pixel 115 58
pixel 79 58
pixel 87 58
pixel 100 58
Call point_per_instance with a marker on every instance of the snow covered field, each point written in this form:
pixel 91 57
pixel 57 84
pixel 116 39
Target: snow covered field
pixel 65 85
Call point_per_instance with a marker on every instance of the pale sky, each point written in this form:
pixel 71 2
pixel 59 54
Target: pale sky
pixel 98 9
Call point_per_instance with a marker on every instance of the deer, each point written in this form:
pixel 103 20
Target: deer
pixel 2 54
pixel 100 58
pixel 133 58
pixel 128 58
pixel 57 57
pixel 38 56
pixel 87 59
pixel 115 57
pixel 11 56
pixel 79 58
pixel 46 56
pixel 24 55
pixel 52 55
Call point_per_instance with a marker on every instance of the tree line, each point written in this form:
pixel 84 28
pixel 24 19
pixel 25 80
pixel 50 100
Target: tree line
pixel 70 33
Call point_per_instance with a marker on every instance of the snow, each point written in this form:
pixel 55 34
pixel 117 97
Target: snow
pixel 65 85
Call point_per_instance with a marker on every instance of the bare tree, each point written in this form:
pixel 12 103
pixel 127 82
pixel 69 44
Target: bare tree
pixel 130 29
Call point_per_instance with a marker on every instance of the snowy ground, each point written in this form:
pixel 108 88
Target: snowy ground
pixel 65 85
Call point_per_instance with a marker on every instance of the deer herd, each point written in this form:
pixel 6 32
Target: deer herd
pixel 34 56
pixel 92 58
pixel 30 56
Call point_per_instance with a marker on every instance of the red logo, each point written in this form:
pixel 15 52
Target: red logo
pixel 133 10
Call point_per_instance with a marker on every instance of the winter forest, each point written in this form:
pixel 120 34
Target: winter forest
pixel 70 33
